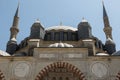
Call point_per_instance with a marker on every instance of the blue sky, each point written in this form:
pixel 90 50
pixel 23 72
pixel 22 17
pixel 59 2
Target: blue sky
pixel 52 12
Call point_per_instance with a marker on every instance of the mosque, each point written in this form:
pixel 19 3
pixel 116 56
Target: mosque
pixel 60 53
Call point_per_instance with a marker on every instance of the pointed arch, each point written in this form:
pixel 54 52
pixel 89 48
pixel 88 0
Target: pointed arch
pixel 118 76
pixel 2 77
pixel 68 66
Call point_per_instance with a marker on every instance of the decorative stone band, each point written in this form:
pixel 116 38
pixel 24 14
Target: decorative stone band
pixel 118 76
pixel 2 77
pixel 65 65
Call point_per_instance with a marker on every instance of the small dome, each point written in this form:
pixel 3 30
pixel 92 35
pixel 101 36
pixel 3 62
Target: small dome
pixel 60 45
pixel 109 41
pixel 102 54
pixel 3 53
pixel 116 53
pixel 60 27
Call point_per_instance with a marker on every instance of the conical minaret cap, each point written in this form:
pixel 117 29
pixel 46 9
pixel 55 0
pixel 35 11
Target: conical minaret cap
pixel 17 11
pixel 104 10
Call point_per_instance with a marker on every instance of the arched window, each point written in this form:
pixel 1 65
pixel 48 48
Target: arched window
pixel 60 78
pixel 48 36
pixel 2 77
pixel 73 36
pixel 65 36
pixel 54 78
pixel 60 71
pixel 67 78
pixel 57 36
pixel 100 44
pixel 118 76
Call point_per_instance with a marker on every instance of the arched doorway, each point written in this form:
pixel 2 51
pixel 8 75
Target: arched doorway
pixel 2 77
pixel 60 71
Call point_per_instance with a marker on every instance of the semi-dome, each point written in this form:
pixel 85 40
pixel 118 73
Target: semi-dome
pixel 116 53
pixel 61 27
pixel 60 45
pixel 3 53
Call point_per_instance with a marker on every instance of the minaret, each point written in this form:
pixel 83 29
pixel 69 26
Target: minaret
pixel 110 46
pixel 14 29
pixel 12 43
pixel 107 29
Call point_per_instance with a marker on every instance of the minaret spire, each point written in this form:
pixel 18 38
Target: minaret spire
pixel 109 44
pixel 12 43
pixel 16 14
pixel 104 10
pixel 14 29
pixel 107 29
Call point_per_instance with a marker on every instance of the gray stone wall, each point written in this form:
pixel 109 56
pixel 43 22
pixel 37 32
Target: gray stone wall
pixel 28 68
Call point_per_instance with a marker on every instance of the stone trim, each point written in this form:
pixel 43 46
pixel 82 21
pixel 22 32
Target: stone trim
pixel 66 65
pixel 118 76
pixel 2 77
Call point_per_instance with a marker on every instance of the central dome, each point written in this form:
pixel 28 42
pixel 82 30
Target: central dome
pixel 60 45
pixel 60 27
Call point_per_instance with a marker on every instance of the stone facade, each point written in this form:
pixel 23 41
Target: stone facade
pixel 60 53
pixel 68 63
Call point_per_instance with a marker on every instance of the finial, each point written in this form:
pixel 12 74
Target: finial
pixel 16 14
pixel 18 2
pixel 84 20
pixel 104 10
pixel 61 23
pixel 102 2
pixel 37 21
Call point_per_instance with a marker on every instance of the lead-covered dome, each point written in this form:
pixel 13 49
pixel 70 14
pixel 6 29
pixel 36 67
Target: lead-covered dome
pixel 60 27
pixel 3 53
pixel 60 45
